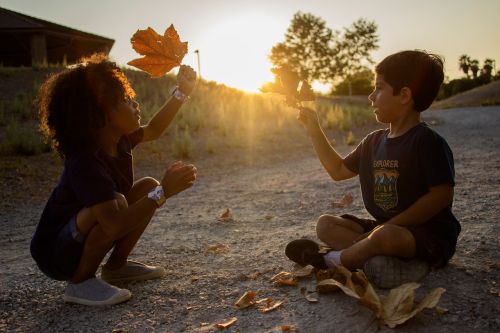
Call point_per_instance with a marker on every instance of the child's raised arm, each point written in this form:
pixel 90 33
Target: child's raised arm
pixel 330 159
pixel 186 80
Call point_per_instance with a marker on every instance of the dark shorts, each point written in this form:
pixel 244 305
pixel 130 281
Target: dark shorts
pixel 67 253
pixel 435 240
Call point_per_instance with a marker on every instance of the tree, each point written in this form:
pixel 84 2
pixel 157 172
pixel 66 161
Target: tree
pixel 487 68
pixel 361 84
pixel 474 67
pixel 464 64
pixel 352 52
pixel 306 49
pixel 317 53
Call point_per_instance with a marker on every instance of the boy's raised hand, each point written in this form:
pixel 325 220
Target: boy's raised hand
pixel 178 177
pixel 309 118
pixel 186 79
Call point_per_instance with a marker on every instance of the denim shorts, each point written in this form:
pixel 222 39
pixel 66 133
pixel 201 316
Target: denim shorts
pixel 67 252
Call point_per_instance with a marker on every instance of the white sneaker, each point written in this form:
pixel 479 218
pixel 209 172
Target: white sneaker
pixel 389 272
pixel 95 291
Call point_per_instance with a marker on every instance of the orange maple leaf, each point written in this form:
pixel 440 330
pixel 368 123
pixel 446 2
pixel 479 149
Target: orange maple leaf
pixel 161 53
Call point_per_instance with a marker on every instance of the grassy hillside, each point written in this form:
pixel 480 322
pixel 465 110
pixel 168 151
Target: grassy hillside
pixel 217 118
pixel 488 94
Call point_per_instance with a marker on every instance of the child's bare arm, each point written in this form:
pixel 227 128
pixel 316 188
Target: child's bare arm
pixel 427 206
pixel 117 221
pixel 328 156
pixel 186 79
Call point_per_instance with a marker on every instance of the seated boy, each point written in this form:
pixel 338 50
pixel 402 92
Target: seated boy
pixel 406 174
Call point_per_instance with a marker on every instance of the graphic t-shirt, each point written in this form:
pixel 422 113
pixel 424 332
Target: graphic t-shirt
pixel 396 172
pixel 89 177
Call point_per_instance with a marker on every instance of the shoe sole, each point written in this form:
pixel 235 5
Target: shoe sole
pixel 120 298
pixel 295 250
pixel 390 272
pixel 150 276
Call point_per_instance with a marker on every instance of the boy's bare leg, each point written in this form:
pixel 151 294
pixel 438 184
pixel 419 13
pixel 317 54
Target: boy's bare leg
pixel 337 232
pixel 125 245
pixel 385 240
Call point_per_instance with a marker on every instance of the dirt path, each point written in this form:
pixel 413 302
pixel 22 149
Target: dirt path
pixel 271 204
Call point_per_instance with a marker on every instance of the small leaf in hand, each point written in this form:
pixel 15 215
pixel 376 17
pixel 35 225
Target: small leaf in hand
pixel 160 53
pixel 305 94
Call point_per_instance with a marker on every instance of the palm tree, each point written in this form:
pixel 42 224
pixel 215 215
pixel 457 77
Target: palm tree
pixel 487 67
pixel 464 64
pixel 474 67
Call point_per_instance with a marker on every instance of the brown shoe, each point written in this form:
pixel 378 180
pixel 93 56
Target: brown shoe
pixel 132 271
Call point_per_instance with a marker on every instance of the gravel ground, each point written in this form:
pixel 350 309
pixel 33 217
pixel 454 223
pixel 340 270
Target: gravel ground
pixel 272 202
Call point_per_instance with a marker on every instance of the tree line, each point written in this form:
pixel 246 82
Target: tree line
pixel 318 53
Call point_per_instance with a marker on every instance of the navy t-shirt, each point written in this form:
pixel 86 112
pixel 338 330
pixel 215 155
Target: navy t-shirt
pixel 89 177
pixel 396 172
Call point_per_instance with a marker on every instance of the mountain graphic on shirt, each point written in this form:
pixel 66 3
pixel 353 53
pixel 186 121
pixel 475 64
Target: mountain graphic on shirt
pixel 385 191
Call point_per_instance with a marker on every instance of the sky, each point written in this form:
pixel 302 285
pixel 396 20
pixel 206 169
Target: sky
pixel 234 37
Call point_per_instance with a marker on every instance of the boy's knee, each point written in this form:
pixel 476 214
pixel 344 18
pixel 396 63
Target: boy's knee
pixel 387 235
pixel 325 225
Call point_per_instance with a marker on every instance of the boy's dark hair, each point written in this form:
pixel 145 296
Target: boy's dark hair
pixel 420 71
pixel 71 103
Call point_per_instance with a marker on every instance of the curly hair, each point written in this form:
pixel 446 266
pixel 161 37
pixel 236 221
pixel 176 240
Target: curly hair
pixel 72 103
pixel 418 70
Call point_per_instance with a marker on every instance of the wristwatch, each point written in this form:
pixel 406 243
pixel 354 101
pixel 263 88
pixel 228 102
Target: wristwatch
pixel 179 95
pixel 157 195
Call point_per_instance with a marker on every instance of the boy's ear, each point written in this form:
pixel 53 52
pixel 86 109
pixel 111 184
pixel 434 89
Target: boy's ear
pixel 405 95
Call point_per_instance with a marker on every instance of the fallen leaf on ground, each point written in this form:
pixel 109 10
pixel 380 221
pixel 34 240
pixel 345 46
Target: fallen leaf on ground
pixel 160 53
pixel 441 311
pixel 248 299
pixel 216 249
pixel 268 217
pixel 266 300
pixel 286 328
pixel 281 275
pixel 284 279
pixel 226 216
pixel 394 309
pixel 346 201
pixel 304 271
pixel 310 298
pixel 272 307
pixel 226 324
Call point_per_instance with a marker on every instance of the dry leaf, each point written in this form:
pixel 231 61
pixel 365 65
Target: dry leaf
pixel 398 306
pixel 346 201
pixel 281 275
pixel 160 53
pixel 267 300
pixel 216 249
pixel 286 328
pixel 226 215
pixel 287 82
pixel 268 217
pixel 327 286
pixel 272 307
pixel 310 298
pixel 304 271
pixel 284 279
pixel 286 282
pixel 248 299
pixel 227 323
pixel 394 309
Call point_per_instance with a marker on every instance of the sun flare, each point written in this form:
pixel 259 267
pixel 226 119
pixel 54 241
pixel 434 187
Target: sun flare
pixel 235 51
